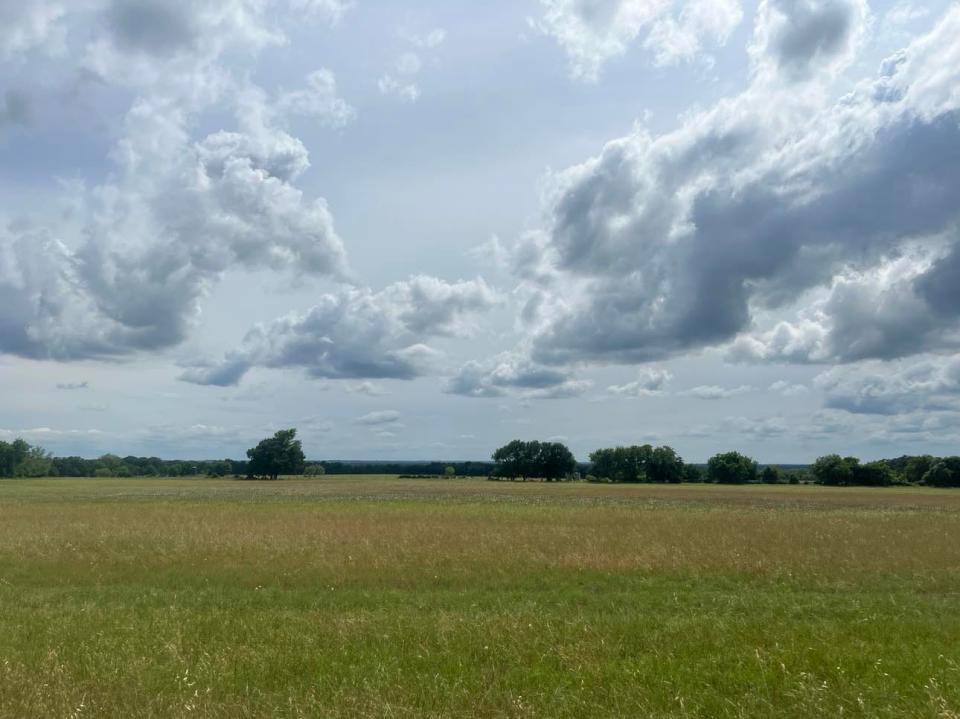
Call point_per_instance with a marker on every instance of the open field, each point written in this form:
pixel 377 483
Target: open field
pixel 380 597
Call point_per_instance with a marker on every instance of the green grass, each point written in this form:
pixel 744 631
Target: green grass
pixel 379 597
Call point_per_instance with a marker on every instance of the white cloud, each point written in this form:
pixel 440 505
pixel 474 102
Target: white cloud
pixel 177 212
pixel 713 392
pixel 512 372
pixel 29 24
pixel 789 390
pixel 592 32
pixel 319 100
pixel 371 389
pixel 892 309
pixel 401 80
pixel 894 388
pixel 407 91
pixel 650 381
pixel 380 418
pixel 358 334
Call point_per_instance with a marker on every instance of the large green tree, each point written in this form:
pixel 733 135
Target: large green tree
pixel 551 461
pixel 731 468
pixel 638 464
pixel 280 454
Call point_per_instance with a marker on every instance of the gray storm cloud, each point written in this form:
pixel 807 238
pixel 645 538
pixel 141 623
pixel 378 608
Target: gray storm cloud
pixel 668 244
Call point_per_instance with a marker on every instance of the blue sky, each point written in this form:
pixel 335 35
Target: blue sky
pixel 419 230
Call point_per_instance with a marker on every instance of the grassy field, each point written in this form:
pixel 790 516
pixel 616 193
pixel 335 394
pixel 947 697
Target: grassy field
pixel 381 597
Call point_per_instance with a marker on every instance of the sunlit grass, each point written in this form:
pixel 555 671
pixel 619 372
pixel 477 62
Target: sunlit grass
pixel 385 597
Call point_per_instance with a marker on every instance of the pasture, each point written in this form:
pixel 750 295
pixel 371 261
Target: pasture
pixel 383 597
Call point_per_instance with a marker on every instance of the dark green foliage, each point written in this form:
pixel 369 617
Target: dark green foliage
pixel 911 470
pixel 550 461
pixel 638 464
pixel 731 468
pixel 664 465
pixel 836 471
pixel 770 475
pixel 19 459
pixel 943 473
pixel 280 454
pixel 692 473
pixel 833 470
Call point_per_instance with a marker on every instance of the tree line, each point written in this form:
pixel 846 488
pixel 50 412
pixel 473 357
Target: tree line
pixel 646 463
pixel 282 454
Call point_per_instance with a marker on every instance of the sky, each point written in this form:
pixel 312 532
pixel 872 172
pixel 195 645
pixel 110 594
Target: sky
pixel 419 230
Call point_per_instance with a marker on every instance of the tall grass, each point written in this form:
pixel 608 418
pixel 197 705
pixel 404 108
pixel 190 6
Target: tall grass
pixel 384 597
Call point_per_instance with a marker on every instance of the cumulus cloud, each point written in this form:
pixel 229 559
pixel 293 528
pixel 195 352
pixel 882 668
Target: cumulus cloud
pixel 177 212
pixel 401 83
pixel 758 428
pixel 358 334
pixel 650 381
pixel 319 100
pixel 401 80
pixel 512 371
pixel 592 32
pixel 181 214
pixel 796 39
pixel 380 418
pixel 174 48
pixel 371 389
pixel 714 392
pixel 28 25
pixel 894 388
pixel 788 390
pixel 895 309
pixel 667 244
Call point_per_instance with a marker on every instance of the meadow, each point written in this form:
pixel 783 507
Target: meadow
pixel 384 597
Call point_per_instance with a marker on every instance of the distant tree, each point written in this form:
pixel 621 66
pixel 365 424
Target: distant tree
pixel 873 474
pixel 917 467
pixel 7 462
pixel 770 475
pixel 642 463
pixel 604 464
pixel 555 461
pixel 731 468
pixel 692 473
pixel 530 459
pixel 315 470
pixel 941 474
pixel 20 459
pixel 449 472
pixel 664 465
pixel 526 460
pixel 510 459
pixel 834 470
pixel 280 454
